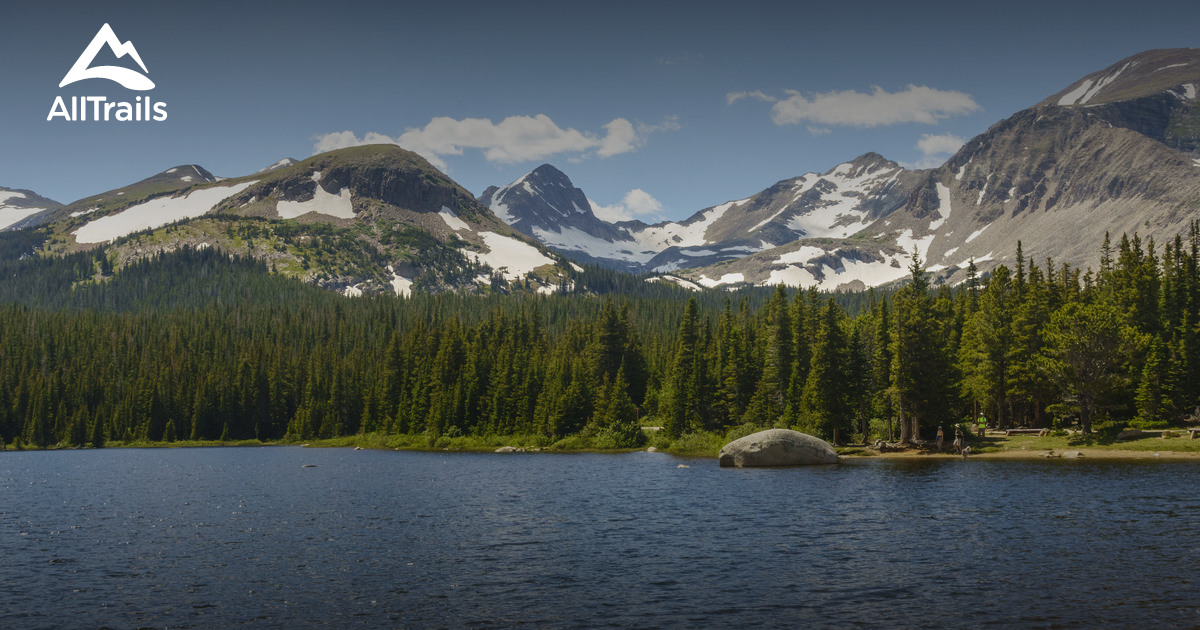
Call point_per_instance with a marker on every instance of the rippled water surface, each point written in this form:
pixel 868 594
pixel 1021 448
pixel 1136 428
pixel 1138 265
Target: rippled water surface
pixel 249 536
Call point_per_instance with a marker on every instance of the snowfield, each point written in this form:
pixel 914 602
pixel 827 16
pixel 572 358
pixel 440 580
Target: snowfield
pixel 687 284
pixel 729 278
pixel 576 240
pixel 943 206
pixel 155 213
pixel 327 203
pixel 508 256
pixel 791 276
pixel 829 217
pixel 401 285
pixel 10 215
pixel 658 238
pixel 906 241
pixel 452 219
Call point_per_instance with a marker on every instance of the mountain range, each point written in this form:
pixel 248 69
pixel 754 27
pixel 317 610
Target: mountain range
pixel 1117 151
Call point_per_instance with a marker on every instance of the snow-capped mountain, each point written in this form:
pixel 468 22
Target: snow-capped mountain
pixel 1117 151
pixel 365 219
pixel 545 204
pixel 837 203
pixel 20 205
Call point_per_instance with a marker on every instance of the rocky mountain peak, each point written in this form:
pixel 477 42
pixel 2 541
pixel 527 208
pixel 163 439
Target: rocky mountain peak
pixel 543 198
pixel 187 173
pixel 550 175
pixel 865 164
pixel 1174 71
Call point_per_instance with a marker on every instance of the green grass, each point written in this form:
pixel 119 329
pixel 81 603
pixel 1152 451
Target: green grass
pixel 1096 441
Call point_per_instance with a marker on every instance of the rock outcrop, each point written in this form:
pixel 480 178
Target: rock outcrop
pixel 777 447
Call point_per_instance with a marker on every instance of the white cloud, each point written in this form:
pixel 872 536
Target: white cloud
pixel 512 140
pixel 733 97
pixel 619 138
pixel 850 108
pixel 930 144
pixel 670 123
pixel 636 203
pixel 935 149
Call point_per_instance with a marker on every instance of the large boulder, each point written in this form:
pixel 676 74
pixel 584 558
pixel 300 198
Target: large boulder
pixel 777 447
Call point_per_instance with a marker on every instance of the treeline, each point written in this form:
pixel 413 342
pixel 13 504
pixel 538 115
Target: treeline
pixel 199 345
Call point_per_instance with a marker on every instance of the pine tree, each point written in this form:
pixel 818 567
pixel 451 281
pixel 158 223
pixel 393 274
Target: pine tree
pixel 987 346
pixel 826 401
pixel 1153 405
pixel 683 398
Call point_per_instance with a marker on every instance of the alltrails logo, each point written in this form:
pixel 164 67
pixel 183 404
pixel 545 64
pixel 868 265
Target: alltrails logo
pixel 143 108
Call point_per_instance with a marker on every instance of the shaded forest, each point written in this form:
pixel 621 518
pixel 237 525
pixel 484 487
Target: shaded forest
pixel 198 345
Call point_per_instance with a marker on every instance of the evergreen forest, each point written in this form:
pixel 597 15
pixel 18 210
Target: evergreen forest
pixel 199 345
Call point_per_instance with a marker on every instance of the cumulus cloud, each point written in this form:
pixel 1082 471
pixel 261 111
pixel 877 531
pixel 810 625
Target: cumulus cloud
pixel 935 150
pixel 914 104
pixel 637 203
pixel 514 139
pixel 851 108
pixel 930 144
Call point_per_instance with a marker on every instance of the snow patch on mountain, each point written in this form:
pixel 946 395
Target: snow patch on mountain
pixel 835 213
pixel 976 234
pixel 400 285
pixel 285 162
pixel 508 256
pixel 452 219
pixel 907 242
pixel 574 239
pixel 10 214
pixel 503 213
pixel 802 255
pixel 870 273
pixel 687 284
pixel 339 205
pixel 660 237
pixel 943 206
pixel 1100 85
pixel 791 276
pixel 156 213
pixel 1071 97
pixel 729 278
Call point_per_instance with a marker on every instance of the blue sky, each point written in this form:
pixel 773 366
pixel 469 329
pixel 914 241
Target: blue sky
pixel 621 96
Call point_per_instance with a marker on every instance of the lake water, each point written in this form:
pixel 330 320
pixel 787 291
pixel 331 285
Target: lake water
pixel 249 536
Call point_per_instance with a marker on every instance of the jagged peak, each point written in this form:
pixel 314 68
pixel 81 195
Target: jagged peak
pixel 864 164
pixel 548 172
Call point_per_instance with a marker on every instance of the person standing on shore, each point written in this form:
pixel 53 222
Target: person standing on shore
pixel 959 439
pixel 940 436
pixel 982 424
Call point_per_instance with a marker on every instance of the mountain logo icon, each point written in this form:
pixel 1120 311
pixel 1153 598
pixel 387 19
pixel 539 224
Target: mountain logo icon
pixel 130 79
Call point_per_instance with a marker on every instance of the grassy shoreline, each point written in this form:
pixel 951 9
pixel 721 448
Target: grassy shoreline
pixel 995 446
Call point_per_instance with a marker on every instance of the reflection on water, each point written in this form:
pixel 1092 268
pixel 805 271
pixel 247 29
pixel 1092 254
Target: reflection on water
pixel 220 537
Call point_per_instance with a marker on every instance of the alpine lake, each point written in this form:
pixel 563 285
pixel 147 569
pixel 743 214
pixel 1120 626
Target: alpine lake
pixel 289 536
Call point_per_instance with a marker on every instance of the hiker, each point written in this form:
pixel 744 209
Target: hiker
pixel 959 440
pixel 982 424
pixel 940 436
